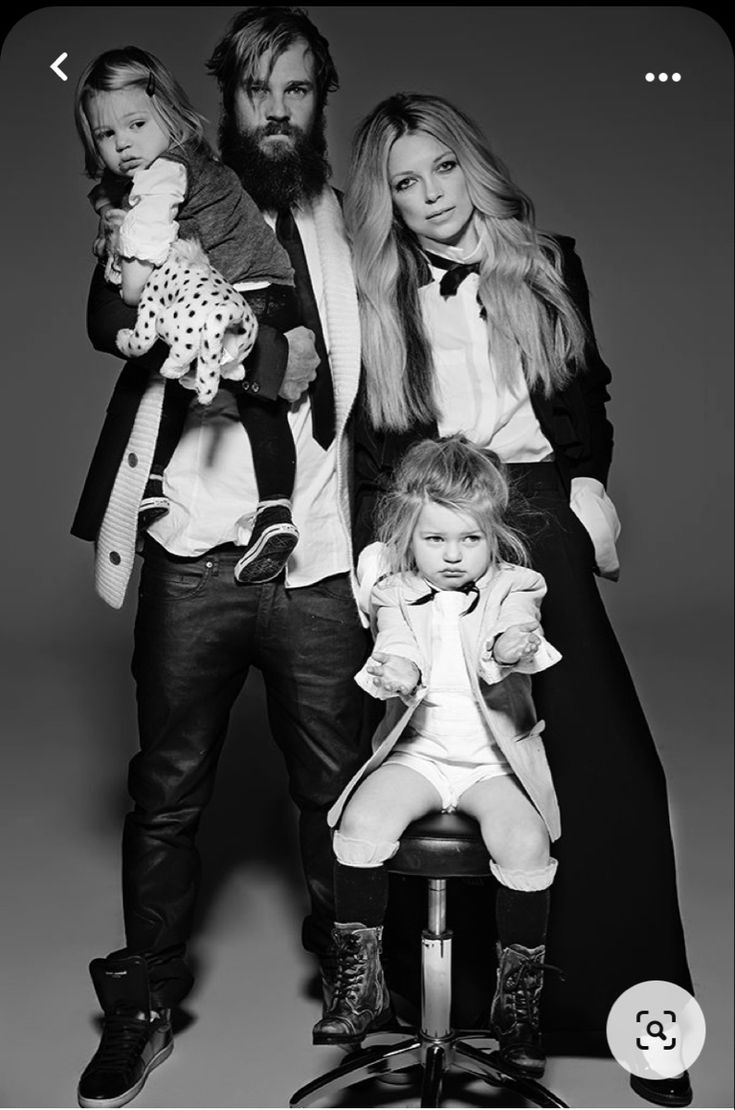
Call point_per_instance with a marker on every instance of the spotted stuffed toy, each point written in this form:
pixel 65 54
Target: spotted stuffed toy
pixel 189 305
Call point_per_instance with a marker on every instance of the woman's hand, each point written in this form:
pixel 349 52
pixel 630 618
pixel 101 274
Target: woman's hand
pixel 521 641
pixel 393 673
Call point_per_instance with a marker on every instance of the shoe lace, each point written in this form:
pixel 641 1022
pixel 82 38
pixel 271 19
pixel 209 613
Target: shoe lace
pixel 123 1038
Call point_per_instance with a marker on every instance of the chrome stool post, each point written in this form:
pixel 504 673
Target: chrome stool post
pixel 439 847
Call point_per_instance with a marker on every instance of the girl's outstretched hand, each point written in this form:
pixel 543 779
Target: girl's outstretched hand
pixel 521 641
pixel 393 673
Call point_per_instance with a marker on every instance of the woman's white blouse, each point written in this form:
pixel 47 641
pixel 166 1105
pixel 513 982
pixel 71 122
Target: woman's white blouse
pixel 470 396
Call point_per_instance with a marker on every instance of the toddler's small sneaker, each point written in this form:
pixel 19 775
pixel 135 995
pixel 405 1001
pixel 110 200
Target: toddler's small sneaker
pixel 272 540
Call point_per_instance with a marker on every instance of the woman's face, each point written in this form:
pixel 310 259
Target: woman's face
pixel 429 191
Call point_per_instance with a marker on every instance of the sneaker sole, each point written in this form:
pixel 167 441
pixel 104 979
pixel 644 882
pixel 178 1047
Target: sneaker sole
pixel 273 549
pixel 129 1095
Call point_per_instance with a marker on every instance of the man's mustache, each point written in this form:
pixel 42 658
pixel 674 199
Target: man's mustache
pixel 277 128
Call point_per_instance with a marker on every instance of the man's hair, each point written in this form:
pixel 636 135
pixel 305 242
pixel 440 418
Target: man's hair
pixel 130 67
pixel 269 31
pixel 456 474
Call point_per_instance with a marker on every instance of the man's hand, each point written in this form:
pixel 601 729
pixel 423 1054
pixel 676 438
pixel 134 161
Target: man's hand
pixel 302 363
pixel 393 673
pixel 107 232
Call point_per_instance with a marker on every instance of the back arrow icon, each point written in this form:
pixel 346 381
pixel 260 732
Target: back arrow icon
pixel 56 66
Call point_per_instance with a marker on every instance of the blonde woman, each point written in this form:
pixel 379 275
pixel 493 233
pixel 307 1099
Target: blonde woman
pixel 475 321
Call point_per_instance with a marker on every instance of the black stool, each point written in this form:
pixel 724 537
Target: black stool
pixel 441 846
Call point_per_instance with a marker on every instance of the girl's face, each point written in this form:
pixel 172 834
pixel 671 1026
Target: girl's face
pixel 429 191
pixel 126 131
pixel 449 548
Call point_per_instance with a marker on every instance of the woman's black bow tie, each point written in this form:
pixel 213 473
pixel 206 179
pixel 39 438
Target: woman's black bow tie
pixel 455 274
pixel 468 588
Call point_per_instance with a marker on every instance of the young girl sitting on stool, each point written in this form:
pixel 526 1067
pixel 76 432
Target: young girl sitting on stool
pixel 458 637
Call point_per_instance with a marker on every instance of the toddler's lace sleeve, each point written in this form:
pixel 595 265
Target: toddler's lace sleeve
pixel 150 226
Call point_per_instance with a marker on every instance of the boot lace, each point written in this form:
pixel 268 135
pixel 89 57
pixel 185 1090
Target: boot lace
pixel 350 969
pixel 123 1039
pixel 525 989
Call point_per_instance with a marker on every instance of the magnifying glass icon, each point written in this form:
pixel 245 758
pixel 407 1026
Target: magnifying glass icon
pixel 659 1032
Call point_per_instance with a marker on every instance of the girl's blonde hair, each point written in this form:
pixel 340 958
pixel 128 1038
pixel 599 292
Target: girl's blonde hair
pixel 528 310
pixel 131 67
pixel 458 475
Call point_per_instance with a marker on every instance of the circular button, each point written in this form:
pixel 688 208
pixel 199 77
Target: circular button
pixel 656 1029
pixel 132 459
pixel 115 558
pixel 255 387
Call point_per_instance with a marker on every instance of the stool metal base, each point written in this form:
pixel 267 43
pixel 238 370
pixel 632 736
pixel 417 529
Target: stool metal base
pixel 436 1046
pixel 435 1057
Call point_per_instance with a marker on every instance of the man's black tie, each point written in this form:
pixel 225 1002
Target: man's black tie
pixel 468 588
pixel 455 274
pixel 321 390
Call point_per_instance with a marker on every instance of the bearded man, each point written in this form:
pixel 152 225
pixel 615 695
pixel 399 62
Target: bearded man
pixel 198 631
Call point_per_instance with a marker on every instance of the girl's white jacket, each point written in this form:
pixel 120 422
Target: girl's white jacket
pixel 508 595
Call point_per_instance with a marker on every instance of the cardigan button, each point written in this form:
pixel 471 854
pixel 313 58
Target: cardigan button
pixel 255 387
pixel 246 386
pixel 115 558
pixel 132 459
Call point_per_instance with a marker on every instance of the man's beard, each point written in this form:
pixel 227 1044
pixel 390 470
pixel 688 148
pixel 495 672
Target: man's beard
pixel 277 175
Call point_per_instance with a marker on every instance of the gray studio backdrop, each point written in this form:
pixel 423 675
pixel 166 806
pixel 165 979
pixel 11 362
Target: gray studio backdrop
pixel 640 173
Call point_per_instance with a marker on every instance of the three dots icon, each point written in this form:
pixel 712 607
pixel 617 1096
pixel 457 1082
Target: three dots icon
pixel 662 77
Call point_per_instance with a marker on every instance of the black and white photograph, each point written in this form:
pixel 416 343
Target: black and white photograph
pixel 367 636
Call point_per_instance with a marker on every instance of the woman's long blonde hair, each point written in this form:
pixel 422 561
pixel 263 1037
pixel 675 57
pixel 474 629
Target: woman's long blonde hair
pixel 528 309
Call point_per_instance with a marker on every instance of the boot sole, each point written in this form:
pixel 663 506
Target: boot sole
pixel 355 1038
pixel 129 1095
pixel 526 1071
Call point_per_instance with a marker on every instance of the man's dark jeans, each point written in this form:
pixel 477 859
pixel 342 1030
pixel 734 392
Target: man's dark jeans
pixel 197 633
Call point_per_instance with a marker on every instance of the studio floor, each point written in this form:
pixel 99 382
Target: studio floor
pixel 246 1038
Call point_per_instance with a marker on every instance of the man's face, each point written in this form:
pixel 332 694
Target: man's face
pixel 273 136
pixel 272 107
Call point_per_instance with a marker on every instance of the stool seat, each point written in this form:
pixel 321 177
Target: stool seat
pixel 442 846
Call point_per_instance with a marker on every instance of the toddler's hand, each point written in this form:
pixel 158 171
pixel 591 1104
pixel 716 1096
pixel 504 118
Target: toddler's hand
pixel 108 231
pixel 393 673
pixel 516 643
